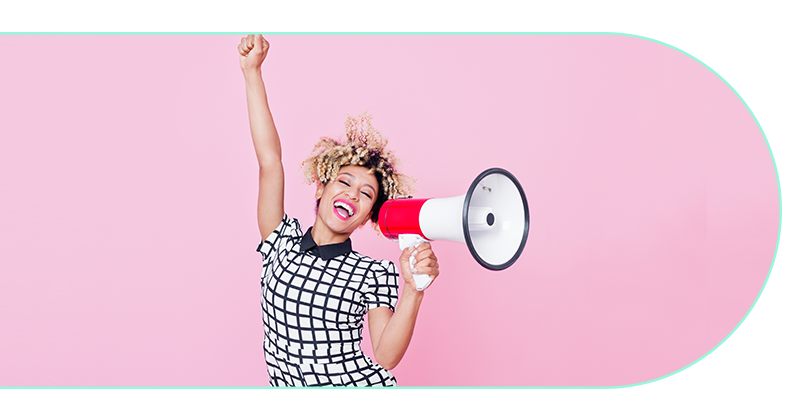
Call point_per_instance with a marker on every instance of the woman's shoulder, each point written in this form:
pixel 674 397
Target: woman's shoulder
pixel 287 227
pixel 287 231
pixel 375 265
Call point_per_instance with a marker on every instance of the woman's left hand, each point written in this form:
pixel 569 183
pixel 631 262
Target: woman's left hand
pixel 425 263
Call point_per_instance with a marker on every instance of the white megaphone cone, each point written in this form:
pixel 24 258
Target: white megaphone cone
pixel 493 219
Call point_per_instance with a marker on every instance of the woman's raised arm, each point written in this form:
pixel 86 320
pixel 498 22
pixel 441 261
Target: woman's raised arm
pixel 270 204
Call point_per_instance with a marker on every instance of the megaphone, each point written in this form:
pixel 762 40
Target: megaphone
pixel 492 219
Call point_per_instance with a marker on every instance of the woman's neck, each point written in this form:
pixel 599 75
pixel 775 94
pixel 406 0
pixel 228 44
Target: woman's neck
pixel 324 236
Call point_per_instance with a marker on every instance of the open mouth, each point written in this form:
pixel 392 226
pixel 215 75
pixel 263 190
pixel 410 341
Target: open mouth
pixel 343 209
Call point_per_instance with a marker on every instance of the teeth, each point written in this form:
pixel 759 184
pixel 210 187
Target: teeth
pixel 345 207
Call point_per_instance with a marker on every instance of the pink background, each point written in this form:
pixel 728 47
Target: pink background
pixel 128 217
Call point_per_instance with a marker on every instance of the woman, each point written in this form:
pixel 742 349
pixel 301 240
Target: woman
pixel 315 289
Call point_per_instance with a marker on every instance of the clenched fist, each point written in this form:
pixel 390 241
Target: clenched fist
pixel 253 50
pixel 424 259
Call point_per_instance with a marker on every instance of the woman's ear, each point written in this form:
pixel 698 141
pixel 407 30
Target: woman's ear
pixel 319 192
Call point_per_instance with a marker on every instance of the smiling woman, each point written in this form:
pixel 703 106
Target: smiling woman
pixel 350 197
pixel 315 289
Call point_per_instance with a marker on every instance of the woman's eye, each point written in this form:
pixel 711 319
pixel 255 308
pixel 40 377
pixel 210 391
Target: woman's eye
pixel 346 183
pixel 366 194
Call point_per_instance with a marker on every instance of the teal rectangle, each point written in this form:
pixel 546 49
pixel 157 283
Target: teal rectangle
pixel 744 38
pixel 744 382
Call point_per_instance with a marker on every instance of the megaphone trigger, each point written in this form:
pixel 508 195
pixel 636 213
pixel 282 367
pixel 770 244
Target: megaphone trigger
pixel 422 281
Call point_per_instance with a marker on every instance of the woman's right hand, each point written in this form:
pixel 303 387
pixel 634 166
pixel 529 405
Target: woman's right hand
pixel 253 50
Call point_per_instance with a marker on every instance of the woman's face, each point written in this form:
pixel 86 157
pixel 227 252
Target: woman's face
pixel 346 201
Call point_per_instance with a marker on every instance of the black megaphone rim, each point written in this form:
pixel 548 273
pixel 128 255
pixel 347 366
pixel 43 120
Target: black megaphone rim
pixel 526 232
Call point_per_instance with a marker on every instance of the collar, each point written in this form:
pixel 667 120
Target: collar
pixel 325 252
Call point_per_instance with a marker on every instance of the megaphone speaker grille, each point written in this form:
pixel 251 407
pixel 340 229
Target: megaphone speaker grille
pixel 496 219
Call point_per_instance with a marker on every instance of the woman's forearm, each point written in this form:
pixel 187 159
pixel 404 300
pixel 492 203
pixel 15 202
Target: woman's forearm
pixel 263 130
pixel 396 336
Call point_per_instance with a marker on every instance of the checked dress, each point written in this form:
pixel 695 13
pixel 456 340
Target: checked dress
pixel 314 299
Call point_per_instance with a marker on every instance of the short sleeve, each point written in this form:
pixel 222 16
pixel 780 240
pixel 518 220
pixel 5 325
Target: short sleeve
pixel 286 233
pixel 383 289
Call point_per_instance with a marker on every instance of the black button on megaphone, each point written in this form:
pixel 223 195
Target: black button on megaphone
pixel 492 219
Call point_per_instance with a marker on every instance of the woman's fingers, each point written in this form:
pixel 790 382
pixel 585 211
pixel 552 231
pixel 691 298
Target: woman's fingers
pixel 406 253
pixel 427 267
pixel 423 260
pixel 251 42
pixel 426 262
pixel 243 48
pixel 253 50
pixel 259 43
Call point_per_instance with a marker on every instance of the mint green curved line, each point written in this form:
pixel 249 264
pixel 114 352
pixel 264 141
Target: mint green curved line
pixel 777 241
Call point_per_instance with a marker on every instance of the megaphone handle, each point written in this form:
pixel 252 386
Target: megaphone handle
pixel 410 241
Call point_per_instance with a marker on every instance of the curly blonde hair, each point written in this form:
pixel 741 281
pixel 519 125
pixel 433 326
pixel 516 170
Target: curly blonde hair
pixel 364 146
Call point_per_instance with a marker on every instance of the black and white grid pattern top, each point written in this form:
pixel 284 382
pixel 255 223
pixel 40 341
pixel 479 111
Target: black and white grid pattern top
pixel 314 297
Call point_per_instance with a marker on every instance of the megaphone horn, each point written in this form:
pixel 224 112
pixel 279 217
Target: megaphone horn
pixel 492 219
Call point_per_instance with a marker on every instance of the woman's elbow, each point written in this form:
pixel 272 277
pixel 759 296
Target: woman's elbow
pixel 269 163
pixel 387 362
